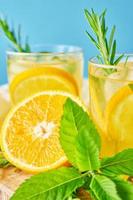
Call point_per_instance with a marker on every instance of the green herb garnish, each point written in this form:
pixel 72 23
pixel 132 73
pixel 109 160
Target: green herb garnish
pixel 3 162
pixel 99 178
pixel 14 38
pixel 106 47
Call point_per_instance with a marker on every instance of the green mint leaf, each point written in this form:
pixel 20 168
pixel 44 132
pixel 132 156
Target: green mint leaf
pixel 53 185
pixel 3 162
pixel 87 153
pixel 124 189
pixel 79 137
pixel 102 188
pixel 121 163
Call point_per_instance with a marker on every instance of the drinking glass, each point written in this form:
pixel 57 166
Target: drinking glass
pixel 67 58
pixel 111 103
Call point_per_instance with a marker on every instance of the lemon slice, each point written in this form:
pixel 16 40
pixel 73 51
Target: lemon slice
pixel 96 102
pixel 40 79
pixel 116 80
pixel 119 118
pixel 30 133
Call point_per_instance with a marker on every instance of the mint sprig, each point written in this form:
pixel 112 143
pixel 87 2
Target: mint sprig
pixel 106 46
pixel 14 37
pixel 78 135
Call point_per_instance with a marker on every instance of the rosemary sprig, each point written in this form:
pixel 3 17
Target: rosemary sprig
pixel 14 38
pixel 106 47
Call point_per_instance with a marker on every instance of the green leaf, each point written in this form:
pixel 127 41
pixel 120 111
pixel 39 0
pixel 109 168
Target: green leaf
pixel 76 126
pixel 103 13
pixel 87 153
pixel 106 47
pixel 99 59
pixel 19 34
pixel 118 59
pixel 27 47
pixel 124 189
pixel 92 39
pixel 3 162
pixel 102 188
pixel 103 26
pixel 113 53
pixel 11 35
pixel 53 185
pixel 91 19
pixel 121 163
pixel 111 37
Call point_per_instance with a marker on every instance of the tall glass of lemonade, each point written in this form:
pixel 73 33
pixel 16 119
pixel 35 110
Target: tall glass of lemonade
pixel 111 103
pixel 48 67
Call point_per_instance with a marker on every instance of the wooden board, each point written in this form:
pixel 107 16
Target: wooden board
pixel 12 177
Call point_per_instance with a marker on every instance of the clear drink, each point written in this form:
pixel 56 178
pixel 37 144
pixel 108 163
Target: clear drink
pixel 69 59
pixel 111 103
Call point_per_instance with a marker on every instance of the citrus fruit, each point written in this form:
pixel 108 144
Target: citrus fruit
pixel 4 106
pixel 30 133
pixel 96 102
pixel 119 115
pixel 40 79
pixel 118 79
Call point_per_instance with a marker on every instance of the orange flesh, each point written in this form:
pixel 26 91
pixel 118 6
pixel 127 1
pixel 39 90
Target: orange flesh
pixel 40 79
pixel 27 145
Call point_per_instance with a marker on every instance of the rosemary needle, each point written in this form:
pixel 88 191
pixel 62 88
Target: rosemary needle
pixel 14 38
pixel 106 47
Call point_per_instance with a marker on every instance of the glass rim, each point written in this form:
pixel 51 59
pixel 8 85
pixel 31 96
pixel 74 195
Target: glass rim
pixel 70 49
pixel 106 66
pixel 120 69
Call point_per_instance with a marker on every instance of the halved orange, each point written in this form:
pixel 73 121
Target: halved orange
pixel 119 118
pixel 40 79
pixel 30 133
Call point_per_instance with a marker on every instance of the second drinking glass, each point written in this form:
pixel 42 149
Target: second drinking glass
pixel 111 103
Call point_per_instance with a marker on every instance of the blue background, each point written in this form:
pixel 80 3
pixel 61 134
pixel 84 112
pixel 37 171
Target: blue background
pixel 63 21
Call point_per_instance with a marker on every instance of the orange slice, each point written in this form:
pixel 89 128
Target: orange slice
pixel 30 133
pixel 40 79
pixel 119 118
